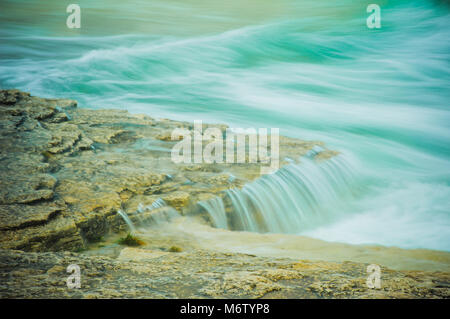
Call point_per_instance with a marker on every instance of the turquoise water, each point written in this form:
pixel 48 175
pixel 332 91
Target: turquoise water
pixel 311 68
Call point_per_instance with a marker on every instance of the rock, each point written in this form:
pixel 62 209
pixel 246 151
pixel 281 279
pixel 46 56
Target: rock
pixel 8 97
pixel 21 216
pixel 56 234
pixel 143 273
pixel 177 199
pixel 136 254
pixel 20 189
pixel 73 168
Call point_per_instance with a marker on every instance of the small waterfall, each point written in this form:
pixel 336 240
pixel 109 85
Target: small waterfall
pixel 163 215
pixel 127 220
pixel 216 211
pixel 156 213
pixel 295 198
pixel 156 204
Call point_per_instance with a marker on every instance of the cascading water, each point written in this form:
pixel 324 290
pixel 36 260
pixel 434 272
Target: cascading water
pixel 127 220
pixel 216 211
pixel 311 68
pixel 156 213
pixel 295 198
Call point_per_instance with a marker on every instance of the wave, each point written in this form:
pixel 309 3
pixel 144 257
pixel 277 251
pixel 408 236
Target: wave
pixel 310 68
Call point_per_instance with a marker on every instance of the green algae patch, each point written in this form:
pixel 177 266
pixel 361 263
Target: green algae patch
pixel 175 249
pixel 131 240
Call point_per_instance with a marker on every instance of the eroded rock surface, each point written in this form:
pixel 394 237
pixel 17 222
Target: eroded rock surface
pixel 138 273
pixel 66 171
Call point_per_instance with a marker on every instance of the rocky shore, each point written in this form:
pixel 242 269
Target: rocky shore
pixel 66 172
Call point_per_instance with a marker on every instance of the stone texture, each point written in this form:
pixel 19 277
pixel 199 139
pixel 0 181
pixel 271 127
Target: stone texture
pixel 75 168
pixel 138 273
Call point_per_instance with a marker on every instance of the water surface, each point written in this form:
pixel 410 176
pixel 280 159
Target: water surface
pixel 311 68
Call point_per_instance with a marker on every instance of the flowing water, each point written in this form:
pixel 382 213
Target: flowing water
pixel 311 68
pixel 294 199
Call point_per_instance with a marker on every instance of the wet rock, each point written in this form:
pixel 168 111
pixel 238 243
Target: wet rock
pixel 177 199
pixel 57 234
pixel 8 97
pixel 22 189
pixel 72 169
pixel 19 216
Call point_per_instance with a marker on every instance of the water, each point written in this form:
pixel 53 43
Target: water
pixel 311 68
pixel 127 220
pixel 294 199
pixel 147 216
pixel 216 210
